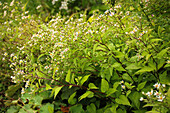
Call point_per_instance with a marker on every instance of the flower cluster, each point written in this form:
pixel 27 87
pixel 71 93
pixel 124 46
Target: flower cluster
pixel 155 94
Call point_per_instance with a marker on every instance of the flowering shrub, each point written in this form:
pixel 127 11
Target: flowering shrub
pixel 104 64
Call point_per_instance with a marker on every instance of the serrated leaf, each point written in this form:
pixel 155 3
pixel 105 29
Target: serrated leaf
pixel 123 100
pixel 86 94
pixel 104 85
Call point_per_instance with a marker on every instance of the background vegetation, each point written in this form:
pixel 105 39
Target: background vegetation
pixel 84 57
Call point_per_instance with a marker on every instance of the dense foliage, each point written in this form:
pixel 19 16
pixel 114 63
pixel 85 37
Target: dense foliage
pixel 115 62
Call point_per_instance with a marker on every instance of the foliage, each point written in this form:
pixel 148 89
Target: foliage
pixel 107 63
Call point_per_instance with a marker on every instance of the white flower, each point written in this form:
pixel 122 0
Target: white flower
pixel 12 3
pixel 5 54
pixel 160 98
pixel 157 85
pixel 149 93
pixel 156 93
pixel 38 7
pixel 123 86
pixel 163 85
pixel 46 67
pixel 141 98
pixel 121 82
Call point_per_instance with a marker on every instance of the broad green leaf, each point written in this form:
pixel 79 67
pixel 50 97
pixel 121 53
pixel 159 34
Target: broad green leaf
pixel 37 100
pixel 84 79
pixel 92 86
pixel 68 76
pixel 12 90
pixel 51 109
pixel 48 87
pixel 47 108
pixel 122 100
pixel 135 98
pixel 150 105
pixel 91 108
pixel 56 90
pixel 110 91
pixel 128 92
pixel 118 66
pixel 86 94
pixel 72 100
pixel 40 74
pixel 128 85
pixel 94 48
pixel 76 109
pixel 161 54
pixel 141 85
pixel 145 69
pixel 104 85
pixel 13 109
pixel 133 66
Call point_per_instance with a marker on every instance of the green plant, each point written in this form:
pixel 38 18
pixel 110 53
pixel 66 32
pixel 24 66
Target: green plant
pixel 100 64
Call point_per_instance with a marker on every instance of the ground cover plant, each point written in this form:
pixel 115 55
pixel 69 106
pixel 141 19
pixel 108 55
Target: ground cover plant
pixel 115 62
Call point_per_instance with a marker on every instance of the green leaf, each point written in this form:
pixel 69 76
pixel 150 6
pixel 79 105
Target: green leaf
pixel 110 91
pixel 92 86
pixel 94 48
pixel 150 105
pixel 76 109
pixel 84 79
pixel 133 66
pixel 135 98
pixel 91 108
pixel 128 92
pixel 86 94
pixel 12 90
pixel 48 87
pixel 47 108
pixel 118 66
pixel 68 76
pixel 40 74
pixel 72 100
pixel 122 100
pixel 152 112
pixel 13 109
pixel 37 100
pixel 104 85
pixel 141 85
pixel 56 90
pixel 145 69
pixel 128 85
pixel 161 54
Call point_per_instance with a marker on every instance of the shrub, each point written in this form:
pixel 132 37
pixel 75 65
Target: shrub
pixel 108 63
